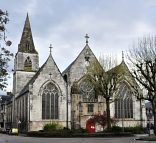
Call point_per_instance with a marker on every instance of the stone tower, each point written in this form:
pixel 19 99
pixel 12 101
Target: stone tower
pixel 26 60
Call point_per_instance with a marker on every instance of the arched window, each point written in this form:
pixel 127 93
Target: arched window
pixel 50 102
pixel 87 91
pixel 124 102
pixel 28 64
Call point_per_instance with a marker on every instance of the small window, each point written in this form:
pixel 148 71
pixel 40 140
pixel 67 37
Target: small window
pixel 27 46
pixel 90 108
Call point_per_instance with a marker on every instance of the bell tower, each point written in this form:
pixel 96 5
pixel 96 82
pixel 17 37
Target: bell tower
pixel 26 62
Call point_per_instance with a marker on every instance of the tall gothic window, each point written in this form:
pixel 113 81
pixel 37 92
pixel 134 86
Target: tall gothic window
pixel 87 91
pixel 28 64
pixel 50 102
pixel 124 102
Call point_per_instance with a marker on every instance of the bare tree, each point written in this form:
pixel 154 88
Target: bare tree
pixel 143 59
pixel 104 83
pixel 4 53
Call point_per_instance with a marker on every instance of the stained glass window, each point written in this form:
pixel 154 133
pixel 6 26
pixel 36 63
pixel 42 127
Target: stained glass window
pixel 87 91
pixel 124 102
pixel 50 102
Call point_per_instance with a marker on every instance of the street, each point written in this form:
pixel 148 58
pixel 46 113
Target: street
pixel 20 139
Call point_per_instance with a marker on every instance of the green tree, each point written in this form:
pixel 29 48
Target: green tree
pixel 143 59
pixel 5 54
pixel 104 83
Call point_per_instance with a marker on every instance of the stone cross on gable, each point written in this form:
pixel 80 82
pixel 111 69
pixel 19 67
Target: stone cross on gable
pixel 87 37
pixel 50 47
pixel 122 55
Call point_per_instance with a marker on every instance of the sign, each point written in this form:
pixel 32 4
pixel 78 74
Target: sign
pixel 14 130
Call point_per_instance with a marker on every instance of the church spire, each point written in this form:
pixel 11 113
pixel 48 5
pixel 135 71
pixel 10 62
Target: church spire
pixel 26 44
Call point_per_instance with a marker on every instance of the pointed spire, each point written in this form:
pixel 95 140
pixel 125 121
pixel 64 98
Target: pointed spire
pixel 87 37
pixel 26 44
pixel 27 23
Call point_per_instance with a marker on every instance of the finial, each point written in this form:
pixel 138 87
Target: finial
pixel 50 47
pixel 87 37
pixel 122 55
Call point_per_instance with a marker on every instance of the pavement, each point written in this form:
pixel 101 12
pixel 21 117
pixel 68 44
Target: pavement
pixel 145 137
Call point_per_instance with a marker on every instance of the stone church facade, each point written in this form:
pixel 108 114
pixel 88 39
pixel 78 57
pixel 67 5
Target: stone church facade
pixel 44 94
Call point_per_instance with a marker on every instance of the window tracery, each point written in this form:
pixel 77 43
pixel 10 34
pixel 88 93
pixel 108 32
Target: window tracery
pixel 50 102
pixel 124 102
pixel 87 91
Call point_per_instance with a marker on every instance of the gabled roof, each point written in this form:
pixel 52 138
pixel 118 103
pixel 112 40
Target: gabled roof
pixel 122 70
pixel 26 43
pixel 86 48
pixel 26 87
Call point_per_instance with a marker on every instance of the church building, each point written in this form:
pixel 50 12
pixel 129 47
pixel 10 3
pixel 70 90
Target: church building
pixel 43 94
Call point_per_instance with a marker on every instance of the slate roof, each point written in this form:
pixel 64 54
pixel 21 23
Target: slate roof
pixel 123 70
pixel 26 43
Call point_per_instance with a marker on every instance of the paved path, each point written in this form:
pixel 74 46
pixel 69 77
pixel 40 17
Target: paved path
pixel 20 139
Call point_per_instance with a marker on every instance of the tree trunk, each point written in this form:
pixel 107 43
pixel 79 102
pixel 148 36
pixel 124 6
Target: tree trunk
pixel 154 115
pixel 108 114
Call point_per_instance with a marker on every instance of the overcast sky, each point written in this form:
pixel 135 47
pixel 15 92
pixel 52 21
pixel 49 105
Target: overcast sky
pixel 113 26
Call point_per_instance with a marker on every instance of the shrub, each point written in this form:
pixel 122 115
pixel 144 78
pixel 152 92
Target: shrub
pixel 79 131
pixel 52 133
pixel 134 130
pixel 52 127
pixel 116 129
